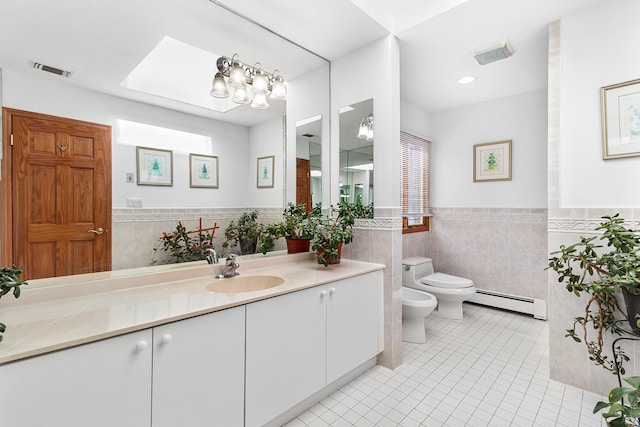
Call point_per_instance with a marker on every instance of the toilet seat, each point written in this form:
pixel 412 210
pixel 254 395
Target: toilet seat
pixel 415 298
pixel 446 281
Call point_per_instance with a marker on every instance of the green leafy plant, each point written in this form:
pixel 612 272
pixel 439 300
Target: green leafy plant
pixel 362 211
pixel 619 413
pixel 333 231
pixel 10 283
pixel 187 246
pixel 601 275
pixel 244 232
pixel 586 269
pixel 297 223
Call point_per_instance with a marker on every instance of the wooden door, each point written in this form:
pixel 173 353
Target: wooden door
pixel 303 182
pixel 60 185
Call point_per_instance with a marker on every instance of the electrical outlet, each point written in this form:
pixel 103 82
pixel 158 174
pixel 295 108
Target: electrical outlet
pixel 134 203
pixel 129 178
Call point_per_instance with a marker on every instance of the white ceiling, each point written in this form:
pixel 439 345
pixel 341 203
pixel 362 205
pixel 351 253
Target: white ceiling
pixel 436 38
pixel 102 42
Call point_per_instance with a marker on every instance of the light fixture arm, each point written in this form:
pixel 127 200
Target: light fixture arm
pixel 224 66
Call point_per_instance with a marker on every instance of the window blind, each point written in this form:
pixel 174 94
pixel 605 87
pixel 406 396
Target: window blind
pixel 415 176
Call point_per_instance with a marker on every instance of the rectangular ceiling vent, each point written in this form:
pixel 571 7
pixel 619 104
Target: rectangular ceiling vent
pixel 492 53
pixel 53 70
pixel 308 135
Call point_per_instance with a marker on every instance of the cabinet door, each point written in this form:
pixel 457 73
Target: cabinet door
pixel 102 384
pixel 285 359
pixel 354 313
pixel 198 371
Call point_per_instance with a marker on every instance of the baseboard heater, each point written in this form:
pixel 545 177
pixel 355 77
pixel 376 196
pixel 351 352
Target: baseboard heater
pixel 534 306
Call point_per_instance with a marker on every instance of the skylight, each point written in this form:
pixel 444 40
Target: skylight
pixel 178 71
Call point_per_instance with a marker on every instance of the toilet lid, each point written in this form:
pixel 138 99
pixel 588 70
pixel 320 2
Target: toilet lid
pixel 442 280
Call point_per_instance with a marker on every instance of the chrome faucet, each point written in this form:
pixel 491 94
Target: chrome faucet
pixel 229 268
pixel 212 256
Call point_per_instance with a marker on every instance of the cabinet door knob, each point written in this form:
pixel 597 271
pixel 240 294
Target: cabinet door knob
pixel 332 291
pixel 141 346
pixel 166 339
pixel 323 294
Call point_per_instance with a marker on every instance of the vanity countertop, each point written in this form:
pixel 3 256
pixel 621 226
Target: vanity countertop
pixel 57 313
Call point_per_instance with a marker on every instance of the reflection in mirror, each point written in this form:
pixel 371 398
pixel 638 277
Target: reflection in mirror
pixel 100 92
pixel 309 161
pixel 356 153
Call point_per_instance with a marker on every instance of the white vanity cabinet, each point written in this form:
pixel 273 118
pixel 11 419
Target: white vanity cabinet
pixel 102 384
pixel 285 359
pixel 300 342
pixel 354 323
pixel 198 371
pixel 189 373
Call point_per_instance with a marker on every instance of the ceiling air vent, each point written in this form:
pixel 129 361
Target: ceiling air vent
pixel 53 70
pixel 491 53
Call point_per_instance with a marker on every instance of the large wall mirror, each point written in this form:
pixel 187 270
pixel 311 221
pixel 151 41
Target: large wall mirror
pixel 356 153
pixel 110 48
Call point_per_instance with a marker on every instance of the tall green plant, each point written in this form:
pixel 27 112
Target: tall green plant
pixel 333 231
pixel 587 270
pixel 10 283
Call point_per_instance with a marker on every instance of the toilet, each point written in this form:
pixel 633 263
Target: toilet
pixel 416 305
pixel 450 291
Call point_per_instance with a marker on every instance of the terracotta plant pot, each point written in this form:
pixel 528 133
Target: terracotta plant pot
pixel 331 259
pixel 295 246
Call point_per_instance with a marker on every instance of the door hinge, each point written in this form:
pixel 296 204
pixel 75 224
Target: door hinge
pixel 12 140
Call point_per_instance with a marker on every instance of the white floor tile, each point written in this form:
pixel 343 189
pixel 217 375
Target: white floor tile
pixel 490 369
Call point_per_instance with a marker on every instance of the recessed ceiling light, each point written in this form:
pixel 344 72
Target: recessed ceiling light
pixel 466 80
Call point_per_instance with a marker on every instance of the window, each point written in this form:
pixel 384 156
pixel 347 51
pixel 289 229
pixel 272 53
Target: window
pixel 415 182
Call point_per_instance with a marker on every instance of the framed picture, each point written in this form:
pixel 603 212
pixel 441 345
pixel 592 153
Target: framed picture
pixel 265 171
pixel 492 161
pixel 203 171
pixel 620 104
pixel 155 166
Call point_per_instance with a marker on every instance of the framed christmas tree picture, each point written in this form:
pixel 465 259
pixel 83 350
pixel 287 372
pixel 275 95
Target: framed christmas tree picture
pixel 155 166
pixel 492 161
pixel 203 171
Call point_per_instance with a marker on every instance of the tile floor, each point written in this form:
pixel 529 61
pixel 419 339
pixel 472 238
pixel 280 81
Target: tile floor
pixel 490 369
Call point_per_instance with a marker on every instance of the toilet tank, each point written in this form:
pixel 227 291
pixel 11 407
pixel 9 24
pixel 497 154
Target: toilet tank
pixel 416 267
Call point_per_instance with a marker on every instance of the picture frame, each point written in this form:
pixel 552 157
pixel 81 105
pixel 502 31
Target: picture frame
pixel 620 111
pixel 154 166
pixel 492 161
pixel 265 172
pixel 203 171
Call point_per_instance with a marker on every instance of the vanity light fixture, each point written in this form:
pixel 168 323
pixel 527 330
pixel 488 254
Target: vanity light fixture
pixel 365 130
pixel 248 84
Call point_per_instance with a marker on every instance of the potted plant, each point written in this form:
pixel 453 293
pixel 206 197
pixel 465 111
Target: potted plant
pixel 10 282
pixel 185 247
pixel 331 232
pixel 587 269
pixel 244 233
pixel 602 275
pixel 619 413
pixel 297 227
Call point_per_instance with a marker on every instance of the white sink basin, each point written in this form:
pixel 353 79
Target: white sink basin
pixel 245 284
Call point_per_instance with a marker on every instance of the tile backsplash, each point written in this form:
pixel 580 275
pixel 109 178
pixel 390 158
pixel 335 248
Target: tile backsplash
pixel 500 249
